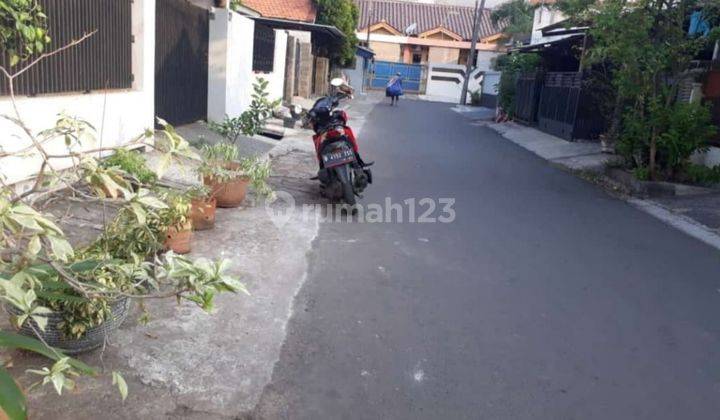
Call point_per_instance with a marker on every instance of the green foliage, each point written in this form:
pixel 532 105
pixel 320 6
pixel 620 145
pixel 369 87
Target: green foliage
pixel 512 66
pixel 701 175
pixel 251 121
pixel 133 163
pixel 515 15
pixel 23 29
pixel 12 400
pixel 344 15
pixel 676 131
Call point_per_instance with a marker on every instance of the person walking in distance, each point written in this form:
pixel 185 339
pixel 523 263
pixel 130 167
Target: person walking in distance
pixel 394 89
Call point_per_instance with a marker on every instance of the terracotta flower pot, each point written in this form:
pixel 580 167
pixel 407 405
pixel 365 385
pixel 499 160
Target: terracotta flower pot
pixel 178 239
pixel 230 193
pixel 202 213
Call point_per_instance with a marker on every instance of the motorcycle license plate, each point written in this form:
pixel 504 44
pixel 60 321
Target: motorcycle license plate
pixel 338 157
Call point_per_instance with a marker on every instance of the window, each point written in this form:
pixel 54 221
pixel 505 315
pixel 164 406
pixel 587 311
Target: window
pixel 103 61
pixel 263 48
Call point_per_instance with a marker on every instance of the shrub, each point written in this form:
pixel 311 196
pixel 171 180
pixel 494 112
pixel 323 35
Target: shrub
pixel 132 163
pixel 512 66
pixel 680 130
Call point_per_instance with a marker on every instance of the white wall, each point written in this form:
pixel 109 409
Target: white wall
pixel 491 82
pixel 710 158
pixel 121 114
pixel 230 75
pixel 483 60
pixel 543 17
pixel 449 91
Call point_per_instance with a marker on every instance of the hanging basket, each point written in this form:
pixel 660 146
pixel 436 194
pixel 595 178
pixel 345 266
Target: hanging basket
pixel 93 338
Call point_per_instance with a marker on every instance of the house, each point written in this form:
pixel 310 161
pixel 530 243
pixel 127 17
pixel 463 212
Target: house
pixel 182 61
pixel 423 33
pixel 307 67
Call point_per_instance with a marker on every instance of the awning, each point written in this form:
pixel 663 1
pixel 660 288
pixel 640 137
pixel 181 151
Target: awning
pixel 543 46
pixel 364 52
pixel 294 25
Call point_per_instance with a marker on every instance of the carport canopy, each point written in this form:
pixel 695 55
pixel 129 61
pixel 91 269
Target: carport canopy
pixel 293 25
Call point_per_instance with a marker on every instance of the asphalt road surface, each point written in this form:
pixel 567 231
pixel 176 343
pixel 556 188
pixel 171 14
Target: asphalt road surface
pixel 545 298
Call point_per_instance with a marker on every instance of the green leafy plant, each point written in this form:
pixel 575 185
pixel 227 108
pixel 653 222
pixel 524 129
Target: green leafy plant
pixel 675 132
pixel 515 17
pixel 23 29
pixel 701 175
pixel 133 163
pixel 251 121
pixel 512 66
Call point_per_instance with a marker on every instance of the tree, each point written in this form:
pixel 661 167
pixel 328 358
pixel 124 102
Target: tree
pixel 23 29
pixel 645 46
pixel 343 14
pixel 516 15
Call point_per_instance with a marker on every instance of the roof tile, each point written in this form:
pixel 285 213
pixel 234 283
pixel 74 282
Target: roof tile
pixel 401 14
pixel 300 10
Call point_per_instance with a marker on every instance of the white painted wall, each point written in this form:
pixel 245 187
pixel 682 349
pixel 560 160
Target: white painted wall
pixel 543 17
pixel 230 74
pixel 710 158
pixel 484 59
pixel 491 82
pixel 121 114
pixel 448 91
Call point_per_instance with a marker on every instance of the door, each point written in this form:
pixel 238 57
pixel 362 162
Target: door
pixel 413 75
pixel 181 62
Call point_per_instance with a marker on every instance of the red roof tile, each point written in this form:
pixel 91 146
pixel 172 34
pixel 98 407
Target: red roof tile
pixel 401 14
pixel 301 10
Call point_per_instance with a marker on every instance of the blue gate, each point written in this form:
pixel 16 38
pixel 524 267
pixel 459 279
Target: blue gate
pixel 413 75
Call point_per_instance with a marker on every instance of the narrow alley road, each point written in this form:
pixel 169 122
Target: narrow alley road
pixel 545 299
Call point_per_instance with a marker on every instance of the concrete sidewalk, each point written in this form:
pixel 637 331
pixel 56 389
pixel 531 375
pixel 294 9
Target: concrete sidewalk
pixel 185 363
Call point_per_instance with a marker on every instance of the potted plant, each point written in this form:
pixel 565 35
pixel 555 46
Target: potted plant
pixel 228 177
pixel 220 173
pixel 202 208
pixel 175 218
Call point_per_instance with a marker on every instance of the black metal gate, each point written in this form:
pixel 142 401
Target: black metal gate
pixel 181 62
pixel 527 96
pixel 558 103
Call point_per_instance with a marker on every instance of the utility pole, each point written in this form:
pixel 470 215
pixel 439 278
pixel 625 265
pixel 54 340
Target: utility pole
pixel 471 56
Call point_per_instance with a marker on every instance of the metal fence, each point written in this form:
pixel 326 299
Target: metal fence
pixel 558 103
pixel 414 76
pixel 103 61
pixel 528 87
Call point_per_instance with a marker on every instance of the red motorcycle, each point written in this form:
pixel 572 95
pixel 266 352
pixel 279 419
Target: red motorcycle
pixel 342 173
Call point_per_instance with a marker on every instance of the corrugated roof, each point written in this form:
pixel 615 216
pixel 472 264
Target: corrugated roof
pixel 300 10
pixel 400 15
